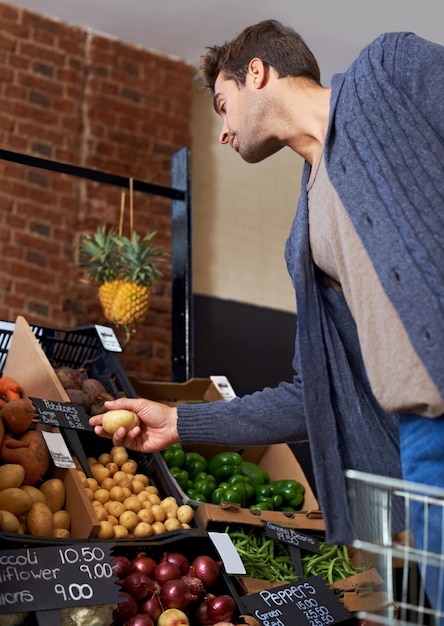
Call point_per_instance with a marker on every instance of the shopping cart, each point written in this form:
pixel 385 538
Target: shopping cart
pixel 381 508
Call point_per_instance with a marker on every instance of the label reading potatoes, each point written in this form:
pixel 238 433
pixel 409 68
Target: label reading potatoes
pixel 52 577
pixel 307 601
pixel 61 414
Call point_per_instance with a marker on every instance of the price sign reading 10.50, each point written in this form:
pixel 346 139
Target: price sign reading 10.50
pixel 35 579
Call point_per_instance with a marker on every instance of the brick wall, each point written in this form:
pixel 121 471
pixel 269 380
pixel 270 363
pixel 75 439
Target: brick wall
pixel 79 98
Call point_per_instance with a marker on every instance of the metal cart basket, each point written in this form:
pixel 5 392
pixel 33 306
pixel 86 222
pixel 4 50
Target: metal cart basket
pixel 381 508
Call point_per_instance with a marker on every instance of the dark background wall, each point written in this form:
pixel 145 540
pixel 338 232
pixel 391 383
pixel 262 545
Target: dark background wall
pixel 251 345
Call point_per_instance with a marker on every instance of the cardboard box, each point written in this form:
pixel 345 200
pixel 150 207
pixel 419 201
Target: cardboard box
pixel 192 391
pixel 28 365
pixel 280 463
pixel 278 460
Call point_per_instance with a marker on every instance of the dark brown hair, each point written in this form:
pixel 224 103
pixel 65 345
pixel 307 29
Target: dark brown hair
pixel 278 46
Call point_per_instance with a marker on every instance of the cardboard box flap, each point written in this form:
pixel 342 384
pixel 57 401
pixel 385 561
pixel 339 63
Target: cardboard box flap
pixel 28 365
pixel 192 390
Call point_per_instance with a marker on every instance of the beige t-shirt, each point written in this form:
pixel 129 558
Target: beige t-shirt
pixel 397 376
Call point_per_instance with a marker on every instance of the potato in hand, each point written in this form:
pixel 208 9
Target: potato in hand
pixel 112 420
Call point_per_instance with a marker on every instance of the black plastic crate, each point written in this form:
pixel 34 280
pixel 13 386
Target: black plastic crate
pixel 191 543
pixel 150 464
pixel 77 347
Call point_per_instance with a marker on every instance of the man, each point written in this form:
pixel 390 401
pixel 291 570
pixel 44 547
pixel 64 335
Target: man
pixel 365 254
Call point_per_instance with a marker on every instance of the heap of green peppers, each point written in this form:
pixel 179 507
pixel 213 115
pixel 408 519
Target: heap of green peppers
pixel 226 477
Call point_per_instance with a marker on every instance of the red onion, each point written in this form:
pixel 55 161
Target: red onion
pixel 152 607
pixel 126 607
pixel 166 571
pixel 194 584
pixel 178 559
pixel 207 569
pixel 121 566
pixel 139 585
pixel 144 564
pixel 139 620
pixel 201 612
pixel 221 608
pixel 174 594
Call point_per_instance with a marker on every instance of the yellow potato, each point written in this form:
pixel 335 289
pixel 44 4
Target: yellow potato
pixel 185 514
pixel 112 420
pixel 172 523
pixel 120 532
pixel 15 500
pixel 40 521
pixel 106 530
pixel 11 475
pixel 61 533
pixel 62 519
pixel 142 529
pixel 9 523
pixel 35 493
pixel 54 491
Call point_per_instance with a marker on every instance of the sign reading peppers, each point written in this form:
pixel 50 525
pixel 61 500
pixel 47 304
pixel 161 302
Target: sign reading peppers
pixel 226 477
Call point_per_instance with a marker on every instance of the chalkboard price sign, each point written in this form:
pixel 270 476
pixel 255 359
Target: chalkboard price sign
pixel 61 414
pixel 309 601
pixel 35 579
pixel 291 536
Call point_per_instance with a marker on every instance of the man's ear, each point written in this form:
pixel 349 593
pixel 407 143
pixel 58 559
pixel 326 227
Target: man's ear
pixel 258 72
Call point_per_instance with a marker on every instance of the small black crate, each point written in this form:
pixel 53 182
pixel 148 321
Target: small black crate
pixel 77 347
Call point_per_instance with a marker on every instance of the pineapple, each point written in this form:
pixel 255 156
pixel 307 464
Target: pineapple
pixel 99 255
pixel 138 270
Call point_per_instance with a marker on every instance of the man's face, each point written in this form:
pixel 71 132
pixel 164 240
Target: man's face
pixel 245 114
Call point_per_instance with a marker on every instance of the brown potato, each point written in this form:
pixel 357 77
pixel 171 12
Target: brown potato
pixel 11 475
pixel 112 420
pixel 54 491
pixel 15 500
pixel 40 521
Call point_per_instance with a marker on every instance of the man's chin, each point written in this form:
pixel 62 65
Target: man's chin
pixel 257 157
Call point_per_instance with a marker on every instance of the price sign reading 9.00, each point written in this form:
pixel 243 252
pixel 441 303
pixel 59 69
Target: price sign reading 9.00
pixel 36 579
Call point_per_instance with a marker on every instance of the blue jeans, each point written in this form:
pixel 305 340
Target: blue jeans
pixel 422 456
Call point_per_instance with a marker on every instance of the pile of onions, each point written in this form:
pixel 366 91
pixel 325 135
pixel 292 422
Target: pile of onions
pixel 150 587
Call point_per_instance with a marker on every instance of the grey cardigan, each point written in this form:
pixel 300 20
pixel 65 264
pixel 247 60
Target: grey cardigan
pixel 384 143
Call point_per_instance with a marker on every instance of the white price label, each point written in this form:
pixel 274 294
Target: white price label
pixel 108 338
pixel 58 450
pixel 223 386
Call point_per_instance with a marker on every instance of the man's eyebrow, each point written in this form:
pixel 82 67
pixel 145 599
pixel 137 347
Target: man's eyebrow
pixel 216 102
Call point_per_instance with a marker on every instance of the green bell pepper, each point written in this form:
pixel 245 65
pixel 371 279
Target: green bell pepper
pixel 174 455
pixel 292 492
pixel 264 505
pixel 194 494
pixel 181 476
pixel 224 464
pixel 228 493
pixel 256 474
pixel 204 483
pixel 264 491
pixel 195 463
pixel 245 481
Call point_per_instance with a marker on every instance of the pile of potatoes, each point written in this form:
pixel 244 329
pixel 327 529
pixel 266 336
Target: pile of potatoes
pixel 27 509
pixel 126 504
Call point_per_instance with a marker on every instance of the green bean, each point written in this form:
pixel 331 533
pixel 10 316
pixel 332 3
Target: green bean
pixel 266 558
